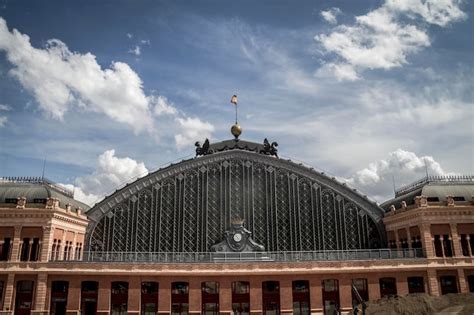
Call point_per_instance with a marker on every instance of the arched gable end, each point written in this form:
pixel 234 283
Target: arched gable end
pixel 187 207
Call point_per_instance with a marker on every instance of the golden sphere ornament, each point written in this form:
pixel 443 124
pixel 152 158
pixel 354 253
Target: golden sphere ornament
pixel 236 131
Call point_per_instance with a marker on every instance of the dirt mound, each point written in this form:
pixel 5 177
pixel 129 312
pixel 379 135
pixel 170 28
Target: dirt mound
pixel 421 304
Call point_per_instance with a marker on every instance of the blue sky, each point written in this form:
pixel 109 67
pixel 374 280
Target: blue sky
pixel 109 90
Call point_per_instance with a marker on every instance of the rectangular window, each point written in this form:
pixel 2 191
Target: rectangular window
pixel 416 285
pixel 179 298
pixel 5 249
pixel 271 297
pixel 89 295
pixel 241 297
pixel 25 249
pixel 59 290
pixel 119 298
pixel 149 298
pixel 301 299
pixel 210 298
pixel 388 287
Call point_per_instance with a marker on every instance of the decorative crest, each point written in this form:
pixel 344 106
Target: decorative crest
pixel 269 149
pixel 237 221
pixel 203 149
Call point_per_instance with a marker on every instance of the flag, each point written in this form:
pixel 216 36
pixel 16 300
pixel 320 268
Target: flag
pixel 233 100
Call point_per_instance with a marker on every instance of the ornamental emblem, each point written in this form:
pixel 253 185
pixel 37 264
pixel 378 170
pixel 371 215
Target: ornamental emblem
pixel 237 239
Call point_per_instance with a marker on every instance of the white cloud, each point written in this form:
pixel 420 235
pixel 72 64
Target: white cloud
pixel 129 35
pixel 4 107
pixel 439 12
pixel 381 40
pixel 163 106
pixel 192 129
pixel 331 15
pixel 135 51
pixel 3 121
pixel 145 42
pixel 111 171
pixel 60 79
pixel 79 194
pixel 402 166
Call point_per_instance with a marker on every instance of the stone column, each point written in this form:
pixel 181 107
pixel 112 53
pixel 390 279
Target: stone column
pixel 286 296
pixel 397 240
pixel 441 239
pixel 256 296
pixel 74 297
pixel 433 284
pixel 462 281
pixel 46 243
pixel 426 240
pixel 39 306
pixel 195 295
pixel 73 247
pixel 468 238
pixel 134 296
pixel 15 253
pixel 8 297
pixel 225 297
pixel 103 300
pixel 164 296
pixel 316 295
pixel 456 240
pixel 408 237
pixel 62 255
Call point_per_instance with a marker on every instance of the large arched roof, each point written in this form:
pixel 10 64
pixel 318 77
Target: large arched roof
pixel 249 154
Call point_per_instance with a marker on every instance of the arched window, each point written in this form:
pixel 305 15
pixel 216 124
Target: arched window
pixel 301 300
pixel 59 290
pixel 149 298
pixel 241 297
pixel 89 295
pixel 119 298
pixel 271 297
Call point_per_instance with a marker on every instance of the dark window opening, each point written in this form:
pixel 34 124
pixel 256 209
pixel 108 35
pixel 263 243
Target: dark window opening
pixel 271 297
pixel 89 295
pixel 241 298
pixel 11 200
pixel 38 200
pixel 25 249
pixel 331 302
pixel 179 298
pixel 5 249
pixel 149 298
pixel 210 298
pixel 448 284
pixel 24 297
pixel 301 299
pixel 432 199
pixel 59 291
pixel 459 198
pixel 119 298
pixel 388 287
pixel 416 285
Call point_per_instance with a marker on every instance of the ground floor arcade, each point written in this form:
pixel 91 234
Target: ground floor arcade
pixel 115 292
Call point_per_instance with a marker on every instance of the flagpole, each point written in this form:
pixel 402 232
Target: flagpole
pixel 236 121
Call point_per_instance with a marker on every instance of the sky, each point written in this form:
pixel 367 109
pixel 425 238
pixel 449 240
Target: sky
pixel 374 93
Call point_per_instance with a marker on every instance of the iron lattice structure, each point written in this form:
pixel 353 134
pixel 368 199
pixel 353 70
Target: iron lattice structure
pixel 186 207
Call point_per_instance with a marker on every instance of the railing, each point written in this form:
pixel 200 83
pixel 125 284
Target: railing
pixel 218 257
pixel 38 180
pixel 430 179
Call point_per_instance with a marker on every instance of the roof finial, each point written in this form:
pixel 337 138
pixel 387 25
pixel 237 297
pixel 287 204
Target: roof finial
pixel 236 130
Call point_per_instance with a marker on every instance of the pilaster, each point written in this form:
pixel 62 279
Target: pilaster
pixel 462 281
pixel 74 297
pixel 164 296
pixel 286 296
pixel 46 243
pixel 15 253
pixel 103 300
pixel 225 297
pixel 315 293
pixel 255 296
pixel 40 295
pixel 426 239
pixel 433 283
pixel 345 293
pixel 134 289
pixel 8 297
pixel 195 295
pixel 456 240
